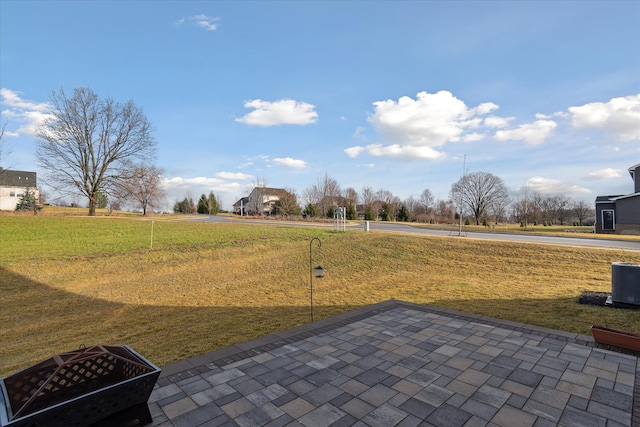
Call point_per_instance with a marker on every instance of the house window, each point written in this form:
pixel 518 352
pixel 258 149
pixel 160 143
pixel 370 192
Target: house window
pixel 608 219
pixel 12 193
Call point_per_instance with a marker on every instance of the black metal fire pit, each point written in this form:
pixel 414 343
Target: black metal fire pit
pixel 105 385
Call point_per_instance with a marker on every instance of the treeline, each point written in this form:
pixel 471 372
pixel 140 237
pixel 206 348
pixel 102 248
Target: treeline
pixel 208 205
pixel 481 198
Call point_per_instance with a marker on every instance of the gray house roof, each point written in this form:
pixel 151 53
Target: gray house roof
pixel 11 178
pixel 241 201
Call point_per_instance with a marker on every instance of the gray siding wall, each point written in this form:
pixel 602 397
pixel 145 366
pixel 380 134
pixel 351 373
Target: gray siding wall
pixel 628 210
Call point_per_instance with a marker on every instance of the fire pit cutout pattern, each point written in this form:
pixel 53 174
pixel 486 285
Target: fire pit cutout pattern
pixel 79 388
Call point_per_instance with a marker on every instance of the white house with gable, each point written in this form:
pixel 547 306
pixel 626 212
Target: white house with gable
pixel 14 184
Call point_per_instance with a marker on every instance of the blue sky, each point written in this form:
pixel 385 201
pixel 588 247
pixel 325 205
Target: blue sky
pixel 390 94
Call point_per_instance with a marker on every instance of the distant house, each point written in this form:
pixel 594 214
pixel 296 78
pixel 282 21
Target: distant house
pixel 240 207
pixel 14 184
pixel 620 214
pixel 261 200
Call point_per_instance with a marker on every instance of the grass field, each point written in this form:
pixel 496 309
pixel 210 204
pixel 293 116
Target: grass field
pixel 69 280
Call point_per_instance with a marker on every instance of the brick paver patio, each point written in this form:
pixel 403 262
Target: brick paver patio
pixel 402 364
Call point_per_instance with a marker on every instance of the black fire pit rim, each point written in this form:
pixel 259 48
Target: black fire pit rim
pixel 6 413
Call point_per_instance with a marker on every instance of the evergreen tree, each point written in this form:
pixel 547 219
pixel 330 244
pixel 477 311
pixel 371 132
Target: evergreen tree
pixel 369 215
pixel 203 205
pixel 351 213
pixel 310 211
pixel 385 212
pixel 28 202
pixel 212 204
pixel 286 205
pixel 403 214
pixel 185 206
pixel 331 211
pixel 101 200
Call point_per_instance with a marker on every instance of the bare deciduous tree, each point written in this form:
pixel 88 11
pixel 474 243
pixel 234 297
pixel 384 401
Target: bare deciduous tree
pixel 368 195
pixel 412 206
pixel 144 186
pixel 426 201
pixel 582 210
pixel 324 194
pixel 350 195
pixel 477 192
pixel 88 143
pixel 562 207
pixel 498 207
pixel 444 211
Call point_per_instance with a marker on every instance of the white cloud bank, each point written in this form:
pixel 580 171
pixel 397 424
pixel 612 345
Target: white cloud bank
pixel 30 115
pixel 531 133
pixel 416 128
pixel 542 185
pixel 290 163
pixel 619 116
pixel 234 175
pixel 282 112
pixel 607 173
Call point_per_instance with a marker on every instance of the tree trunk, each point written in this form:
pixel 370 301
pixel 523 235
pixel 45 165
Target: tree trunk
pixel 92 206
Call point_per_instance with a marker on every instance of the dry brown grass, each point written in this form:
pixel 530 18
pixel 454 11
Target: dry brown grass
pixel 71 281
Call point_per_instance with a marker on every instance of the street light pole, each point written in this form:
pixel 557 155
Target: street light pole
pixel 319 271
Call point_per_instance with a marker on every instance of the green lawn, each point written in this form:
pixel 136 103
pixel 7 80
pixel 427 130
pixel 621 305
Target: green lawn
pixel 68 281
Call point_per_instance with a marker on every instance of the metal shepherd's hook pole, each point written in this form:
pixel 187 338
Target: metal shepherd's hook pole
pixel 311 271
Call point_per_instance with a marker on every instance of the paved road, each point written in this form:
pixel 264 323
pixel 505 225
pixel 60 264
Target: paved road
pixel 523 238
pixel 633 245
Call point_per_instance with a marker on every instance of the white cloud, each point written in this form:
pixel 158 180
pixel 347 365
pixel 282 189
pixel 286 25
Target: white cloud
pixel 415 128
pixel 396 151
pixel 12 99
pixel 554 186
pixel 179 187
pixel 484 108
pixel 182 182
pixel 497 122
pixel 354 151
pixel 430 120
pixel 234 175
pixel 282 112
pixel 290 163
pixel 532 133
pixel 619 116
pixel 28 114
pixel 359 133
pixel 207 22
pixel 606 173
pixel 473 137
